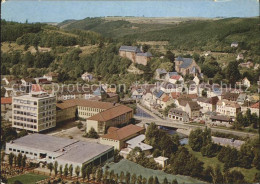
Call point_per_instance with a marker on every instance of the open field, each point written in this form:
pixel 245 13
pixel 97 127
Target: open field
pixel 248 173
pixel 27 178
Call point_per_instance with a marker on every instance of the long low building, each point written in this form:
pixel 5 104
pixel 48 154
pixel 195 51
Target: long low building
pixel 46 148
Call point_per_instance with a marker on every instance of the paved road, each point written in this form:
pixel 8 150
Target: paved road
pixel 178 124
pixel 148 112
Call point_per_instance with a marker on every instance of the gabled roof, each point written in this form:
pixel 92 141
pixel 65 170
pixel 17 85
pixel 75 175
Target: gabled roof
pixel 221 118
pixel 130 49
pixel 123 133
pixel 172 73
pixel 186 62
pixel 178 112
pixel 176 77
pixel 7 100
pixel 175 95
pixel 166 98
pixel 111 113
pixel 194 105
pixel 99 91
pixel 146 54
pixel 256 105
pixel 158 94
pixel 161 71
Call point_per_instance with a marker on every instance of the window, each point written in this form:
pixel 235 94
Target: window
pixel 35 154
pixel 10 149
pixel 50 157
pixel 26 152
pixel 31 153
pixel 18 151
pixel 34 103
pixel 14 149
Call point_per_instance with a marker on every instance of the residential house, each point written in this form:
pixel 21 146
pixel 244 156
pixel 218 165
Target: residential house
pixel 187 66
pixel 168 87
pixel 166 100
pixel 162 161
pixel 135 54
pixel 196 79
pixel 234 44
pixel 87 76
pixel 176 79
pixel 160 73
pixel 51 76
pixel 208 104
pixel 148 100
pixel 41 80
pixel 6 108
pixel 117 137
pixel 178 115
pixel 255 108
pixel 248 64
pixel 228 108
pixel 240 56
pixel 169 74
pixel 245 82
pixel 241 99
pixel 193 109
pixel 230 96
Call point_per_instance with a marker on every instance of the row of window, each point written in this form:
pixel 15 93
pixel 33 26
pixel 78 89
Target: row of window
pixel 89 109
pixel 48 101
pixel 25 113
pixel 47 107
pixel 47 113
pixel 25 125
pixel 25 102
pixel 21 151
pixel 85 113
pixel 25 119
pixel 25 107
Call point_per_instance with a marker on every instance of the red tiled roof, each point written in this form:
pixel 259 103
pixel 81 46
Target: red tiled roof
pixel 36 88
pixel 256 105
pixel 176 77
pixel 166 98
pixel 124 132
pixel 175 95
pixel 111 129
pixel 7 100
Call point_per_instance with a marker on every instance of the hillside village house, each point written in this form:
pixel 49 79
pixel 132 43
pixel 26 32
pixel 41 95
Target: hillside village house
pixel 176 79
pixel 228 108
pixel 246 82
pixel 135 54
pixel 186 66
pixel 6 108
pixel 234 44
pixel 192 108
pixel 248 64
pixel 255 108
pixel 208 104
pixel 166 100
pixel 230 96
pixel 87 76
pixel 169 74
pixel 51 76
pixel 240 56
pixel 160 73
pixel 117 137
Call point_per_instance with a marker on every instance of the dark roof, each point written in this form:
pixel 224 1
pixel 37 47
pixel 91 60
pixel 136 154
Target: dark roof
pixel 158 94
pixel 178 112
pixel 221 118
pixel 168 85
pixel 130 49
pixel 161 71
pixel 186 62
pixel 231 96
pixel 194 105
pixel 147 54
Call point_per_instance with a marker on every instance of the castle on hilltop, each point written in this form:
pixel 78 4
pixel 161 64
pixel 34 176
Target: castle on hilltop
pixel 135 54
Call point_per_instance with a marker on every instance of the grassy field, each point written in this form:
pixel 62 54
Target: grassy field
pixel 27 178
pixel 248 173
pixel 131 167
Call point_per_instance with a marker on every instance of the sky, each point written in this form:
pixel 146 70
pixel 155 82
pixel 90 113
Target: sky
pixel 58 11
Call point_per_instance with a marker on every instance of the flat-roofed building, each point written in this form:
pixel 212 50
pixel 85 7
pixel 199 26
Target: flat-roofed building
pixel 46 148
pixel 34 112
pixel 117 137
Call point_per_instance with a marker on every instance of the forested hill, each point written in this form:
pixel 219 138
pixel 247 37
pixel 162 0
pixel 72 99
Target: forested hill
pixel 214 35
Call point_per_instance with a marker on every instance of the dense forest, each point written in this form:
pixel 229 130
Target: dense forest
pixel 92 45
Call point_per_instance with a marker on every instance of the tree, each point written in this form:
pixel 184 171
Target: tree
pixel 24 161
pixel 83 172
pixel 88 171
pixel 55 168
pixel 218 176
pixel 19 159
pixel 133 179
pixel 169 55
pixel 2 156
pixel 100 174
pixel 10 159
pixel 127 178
pixel 92 133
pixel 116 178
pixel 50 167
pixel 234 177
pixel 122 176
pixel 208 173
pixel 66 170
pixel 60 170
pixel 139 179
pixel 165 181
pixel 71 170
pixel 155 180
pixel 150 180
pixel 232 72
pixel 77 171
pixel 15 160
pixel 168 66
pixel 111 175
pixel 174 181
pixel 199 138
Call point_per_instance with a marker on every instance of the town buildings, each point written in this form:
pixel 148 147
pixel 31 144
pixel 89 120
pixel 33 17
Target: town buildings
pixel 34 112
pixel 186 66
pixel 229 108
